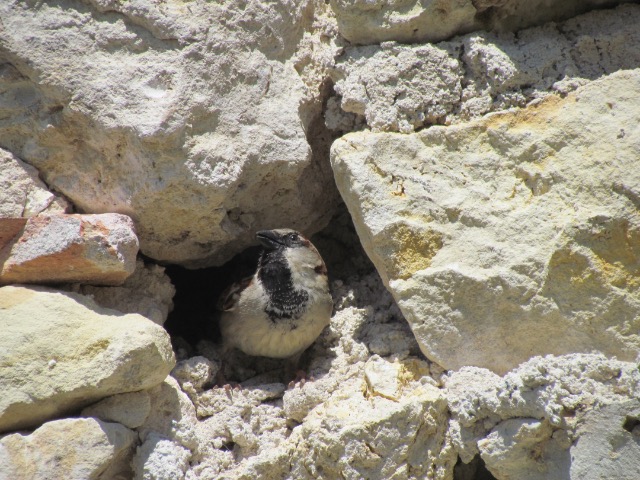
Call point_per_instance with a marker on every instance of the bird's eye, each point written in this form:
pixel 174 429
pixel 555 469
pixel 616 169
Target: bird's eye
pixel 292 236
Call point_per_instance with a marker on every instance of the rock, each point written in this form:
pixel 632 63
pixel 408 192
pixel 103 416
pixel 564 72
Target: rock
pixel 402 88
pixel 160 459
pixel 148 291
pixel 510 236
pixel 129 409
pixel 172 416
pixel 526 449
pixel 98 249
pixel 411 21
pixel 352 436
pixel 181 116
pixel 59 449
pixel 609 443
pixel 22 193
pixel 524 424
pixel 61 352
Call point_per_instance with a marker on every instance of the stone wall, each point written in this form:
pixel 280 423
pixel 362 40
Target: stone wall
pixel 468 170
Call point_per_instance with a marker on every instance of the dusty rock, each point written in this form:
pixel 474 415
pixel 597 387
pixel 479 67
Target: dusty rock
pixel 411 21
pixel 527 424
pixel 22 193
pixel 609 443
pixel 60 352
pixel 179 115
pixel 99 249
pixel 148 291
pixel 160 459
pixel 518 231
pixel 396 87
pixel 60 449
pixel 129 409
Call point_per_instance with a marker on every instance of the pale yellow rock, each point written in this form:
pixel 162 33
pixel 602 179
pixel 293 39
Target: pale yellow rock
pixel 130 409
pixel 512 236
pixel 69 449
pixel 59 352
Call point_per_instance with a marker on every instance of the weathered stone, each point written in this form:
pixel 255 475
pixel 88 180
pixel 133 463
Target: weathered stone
pixel 539 407
pixel 98 249
pixel 411 21
pixel 73 449
pixel 22 193
pixel 402 88
pixel 527 449
pixel 148 291
pixel 609 443
pixel 519 231
pixel 182 116
pixel 129 409
pixel 59 352
pixel 160 459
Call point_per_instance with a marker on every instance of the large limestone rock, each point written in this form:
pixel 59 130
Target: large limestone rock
pixel 97 249
pixel 511 236
pixel 189 117
pixel 395 87
pixel 411 21
pixel 60 351
pixel 73 449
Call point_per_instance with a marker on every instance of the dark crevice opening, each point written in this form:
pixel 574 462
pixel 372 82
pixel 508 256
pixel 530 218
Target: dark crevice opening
pixel 474 470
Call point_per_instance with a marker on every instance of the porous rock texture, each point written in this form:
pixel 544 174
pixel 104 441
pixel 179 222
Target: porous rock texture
pixel 551 418
pixel 60 351
pixel 396 87
pixel 98 249
pixel 502 238
pixel 519 230
pixel 189 117
pixel 410 21
pixel 148 291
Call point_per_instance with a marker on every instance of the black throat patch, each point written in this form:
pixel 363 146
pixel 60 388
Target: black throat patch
pixel 285 301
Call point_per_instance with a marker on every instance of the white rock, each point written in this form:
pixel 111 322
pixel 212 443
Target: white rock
pixel 96 353
pixel 73 449
pixel 148 291
pixel 181 116
pixel 526 449
pixel 22 193
pixel 510 236
pixel 608 445
pixel 129 409
pixel 538 407
pixel 160 459
pixel 412 21
pixel 396 87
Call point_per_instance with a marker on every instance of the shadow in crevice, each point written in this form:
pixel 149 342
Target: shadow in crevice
pixel 474 470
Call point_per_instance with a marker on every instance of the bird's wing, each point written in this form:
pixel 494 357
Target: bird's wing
pixel 231 294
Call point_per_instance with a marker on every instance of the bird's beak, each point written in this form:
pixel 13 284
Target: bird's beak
pixel 269 239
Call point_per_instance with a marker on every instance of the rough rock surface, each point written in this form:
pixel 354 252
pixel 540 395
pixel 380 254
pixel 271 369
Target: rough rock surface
pixel 98 249
pixel 180 115
pixel 148 291
pixel 519 231
pixel 22 193
pixel 73 449
pixel 403 87
pixel 59 351
pixel 566 417
pixel 409 21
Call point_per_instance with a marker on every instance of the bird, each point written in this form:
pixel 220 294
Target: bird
pixel 283 308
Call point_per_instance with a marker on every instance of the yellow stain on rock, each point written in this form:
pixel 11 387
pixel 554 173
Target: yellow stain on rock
pixel 408 249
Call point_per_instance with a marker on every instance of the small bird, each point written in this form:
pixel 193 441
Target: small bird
pixel 282 309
